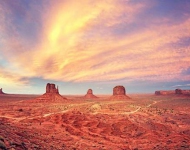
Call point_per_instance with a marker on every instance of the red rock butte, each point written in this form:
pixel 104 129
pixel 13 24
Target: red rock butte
pixel 169 92
pixel 90 94
pixel 51 95
pixel 50 88
pixel 173 92
pixel 1 91
pixel 183 92
pixel 119 93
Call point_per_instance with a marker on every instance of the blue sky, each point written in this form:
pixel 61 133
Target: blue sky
pixel 142 45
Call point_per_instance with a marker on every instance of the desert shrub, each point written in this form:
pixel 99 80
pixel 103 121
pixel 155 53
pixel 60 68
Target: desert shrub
pixel 1 138
pixel 21 110
pixel 2 145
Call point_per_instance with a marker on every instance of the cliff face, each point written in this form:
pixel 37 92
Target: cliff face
pixel 50 88
pixel 1 91
pixel 119 93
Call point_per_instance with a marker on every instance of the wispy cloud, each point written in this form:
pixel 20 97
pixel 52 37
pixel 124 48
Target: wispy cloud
pixel 10 79
pixel 181 86
pixel 98 41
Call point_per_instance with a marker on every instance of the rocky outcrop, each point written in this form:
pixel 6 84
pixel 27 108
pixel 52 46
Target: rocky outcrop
pixel 119 93
pixel 90 94
pixel 182 92
pixel 2 143
pixel 169 92
pixel 50 88
pixel 186 92
pixel 173 92
pixel 178 91
pixel 157 93
pixel 51 95
pixel 1 91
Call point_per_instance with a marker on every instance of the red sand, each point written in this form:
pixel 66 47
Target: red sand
pixel 142 122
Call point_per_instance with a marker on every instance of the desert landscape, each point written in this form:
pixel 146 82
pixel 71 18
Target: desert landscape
pixel 94 74
pixel 103 122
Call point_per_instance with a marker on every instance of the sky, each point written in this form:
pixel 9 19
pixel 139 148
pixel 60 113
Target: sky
pixel 143 45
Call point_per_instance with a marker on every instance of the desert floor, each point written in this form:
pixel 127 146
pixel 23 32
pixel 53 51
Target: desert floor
pixel 141 123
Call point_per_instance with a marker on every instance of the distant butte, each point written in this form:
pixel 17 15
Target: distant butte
pixel 174 92
pixel 169 92
pixel 119 93
pixel 51 95
pixel 180 91
pixel 1 91
pixel 90 94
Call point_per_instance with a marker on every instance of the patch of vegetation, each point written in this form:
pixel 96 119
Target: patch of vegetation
pixel 2 145
pixel 21 110
pixel 2 138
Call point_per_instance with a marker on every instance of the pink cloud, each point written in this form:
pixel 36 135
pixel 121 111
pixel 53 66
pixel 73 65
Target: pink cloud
pixel 11 79
pixel 78 44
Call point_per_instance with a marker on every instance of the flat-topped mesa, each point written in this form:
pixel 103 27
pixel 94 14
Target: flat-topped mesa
pixel 178 91
pixel 173 92
pixel 51 95
pixel 168 92
pixel 119 93
pixel 182 92
pixel 90 94
pixel 1 91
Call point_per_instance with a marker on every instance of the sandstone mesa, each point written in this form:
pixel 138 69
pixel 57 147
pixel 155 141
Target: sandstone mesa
pixel 173 92
pixel 119 93
pixel 52 94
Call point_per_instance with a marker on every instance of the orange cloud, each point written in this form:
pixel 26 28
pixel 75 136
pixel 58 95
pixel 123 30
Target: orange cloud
pixel 78 43
pixel 11 79
pixel 64 42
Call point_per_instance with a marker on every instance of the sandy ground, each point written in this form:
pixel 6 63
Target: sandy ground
pixel 142 122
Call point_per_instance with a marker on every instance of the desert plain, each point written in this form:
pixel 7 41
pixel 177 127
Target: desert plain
pixel 145 121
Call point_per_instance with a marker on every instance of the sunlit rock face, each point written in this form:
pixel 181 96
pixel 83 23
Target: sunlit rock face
pixel 50 88
pixel 51 95
pixel 90 94
pixel 1 91
pixel 119 93
pixel 119 90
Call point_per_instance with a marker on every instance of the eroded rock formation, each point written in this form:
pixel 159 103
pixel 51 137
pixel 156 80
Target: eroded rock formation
pixel 157 92
pixel 90 94
pixel 183 92
pixel 169 92
pixel 50 88
pixel 119 93
pixel 186 92
pixel 51 95
pixel 178 91
pixel 1 91
pixel 173 92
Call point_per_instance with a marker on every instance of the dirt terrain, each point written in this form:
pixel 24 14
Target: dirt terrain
pixel 139 123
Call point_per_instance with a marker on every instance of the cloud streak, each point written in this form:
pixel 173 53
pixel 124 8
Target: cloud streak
pixel 97 41
pixel 10 79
